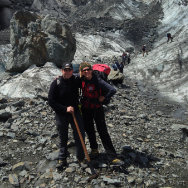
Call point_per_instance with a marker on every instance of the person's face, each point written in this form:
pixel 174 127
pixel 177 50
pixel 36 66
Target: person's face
pixel 67 73
pixel 87 72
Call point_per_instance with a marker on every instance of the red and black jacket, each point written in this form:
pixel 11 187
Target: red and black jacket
pixel 92 89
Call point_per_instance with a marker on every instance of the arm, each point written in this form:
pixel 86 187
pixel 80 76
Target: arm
pixel 52 99
pixel 107 91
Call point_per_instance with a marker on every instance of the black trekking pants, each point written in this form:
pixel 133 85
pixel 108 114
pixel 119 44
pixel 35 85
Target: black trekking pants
pixel 97 115
pixel 62 121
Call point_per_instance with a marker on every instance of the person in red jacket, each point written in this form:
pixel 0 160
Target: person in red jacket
pixel 95 93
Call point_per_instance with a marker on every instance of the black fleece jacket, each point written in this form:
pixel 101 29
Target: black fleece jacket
pixel 64 93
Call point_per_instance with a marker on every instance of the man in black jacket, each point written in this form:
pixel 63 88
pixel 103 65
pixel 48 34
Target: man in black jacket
pixel 63 98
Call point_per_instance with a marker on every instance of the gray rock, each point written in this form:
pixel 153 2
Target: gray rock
pixel 4 115
pixel 21 166
pixel 13 179
pixel 53 156
pixel 176 127
pixel 111 181
pixel 36 40
pixel 11 135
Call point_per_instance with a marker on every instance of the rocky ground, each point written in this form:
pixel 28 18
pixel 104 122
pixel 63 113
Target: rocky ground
pixel 148 138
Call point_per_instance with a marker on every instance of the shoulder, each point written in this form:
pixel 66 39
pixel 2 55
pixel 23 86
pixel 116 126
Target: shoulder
pixel 55 83
pixel 58 80
pixel 96 78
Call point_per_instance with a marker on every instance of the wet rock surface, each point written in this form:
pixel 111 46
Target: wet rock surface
pixel 148 138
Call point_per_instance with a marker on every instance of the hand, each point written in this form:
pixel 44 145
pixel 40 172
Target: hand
pixel 101 98
pixel 70 109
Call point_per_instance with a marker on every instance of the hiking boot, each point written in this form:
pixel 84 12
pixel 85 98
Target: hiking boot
pixel 117 162
pixel 94 153
pixel 61 164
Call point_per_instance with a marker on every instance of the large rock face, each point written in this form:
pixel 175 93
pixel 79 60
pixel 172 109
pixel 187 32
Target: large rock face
pixel 36 40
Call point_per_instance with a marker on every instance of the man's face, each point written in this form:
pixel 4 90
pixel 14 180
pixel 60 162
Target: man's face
pixel 67 73
pixel 87 73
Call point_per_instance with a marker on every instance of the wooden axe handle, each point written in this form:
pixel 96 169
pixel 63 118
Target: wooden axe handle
pixel 81 138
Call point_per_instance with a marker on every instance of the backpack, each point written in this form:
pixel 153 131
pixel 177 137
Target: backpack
pixel 101 70
pixel 76 68
pixel 114 66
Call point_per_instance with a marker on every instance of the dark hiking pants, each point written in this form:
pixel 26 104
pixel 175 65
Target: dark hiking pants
pixel 97 115
pixel 62 121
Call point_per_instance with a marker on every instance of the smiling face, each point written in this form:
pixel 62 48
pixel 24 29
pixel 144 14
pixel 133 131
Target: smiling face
pixel 67 73
pixel 87 73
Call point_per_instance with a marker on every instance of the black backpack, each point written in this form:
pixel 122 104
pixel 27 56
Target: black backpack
pixel 101 75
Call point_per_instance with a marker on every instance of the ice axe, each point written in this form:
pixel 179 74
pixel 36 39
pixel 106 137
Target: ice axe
pixel 94 174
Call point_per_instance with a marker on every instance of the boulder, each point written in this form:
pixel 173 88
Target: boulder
pixel 33 82
pixel 37 40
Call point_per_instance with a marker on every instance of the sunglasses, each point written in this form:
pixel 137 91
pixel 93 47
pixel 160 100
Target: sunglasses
pixel 86 70
pixel 67 70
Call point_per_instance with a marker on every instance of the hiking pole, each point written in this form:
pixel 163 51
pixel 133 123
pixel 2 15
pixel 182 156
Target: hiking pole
pixel 94 174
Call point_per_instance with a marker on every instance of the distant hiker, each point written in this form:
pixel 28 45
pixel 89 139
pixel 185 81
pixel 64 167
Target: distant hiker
pixel 114 66
pixel 169 36
pixel 84 58
pixel 117 64
pixel 63 98
pixel 128 58
pixel 124 57
pixel 95 93
pixel 121 66
pixel 144 50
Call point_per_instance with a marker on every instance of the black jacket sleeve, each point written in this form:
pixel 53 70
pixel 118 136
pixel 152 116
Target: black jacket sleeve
pixel 52 98
pixel 107 91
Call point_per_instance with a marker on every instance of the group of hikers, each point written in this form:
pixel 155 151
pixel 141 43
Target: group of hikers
pixel 126 56
pixel 64 98
pixel 119 66
pixel 144 50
